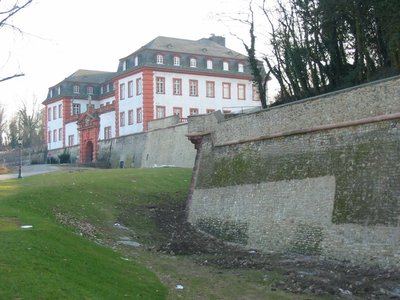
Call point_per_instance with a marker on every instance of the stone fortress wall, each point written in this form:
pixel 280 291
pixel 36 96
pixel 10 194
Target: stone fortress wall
pixel 316 177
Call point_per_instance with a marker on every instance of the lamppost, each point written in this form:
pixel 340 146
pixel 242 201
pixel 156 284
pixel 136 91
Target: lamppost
pixel 20 158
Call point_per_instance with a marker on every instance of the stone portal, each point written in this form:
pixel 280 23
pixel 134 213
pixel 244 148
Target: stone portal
pixel 88 127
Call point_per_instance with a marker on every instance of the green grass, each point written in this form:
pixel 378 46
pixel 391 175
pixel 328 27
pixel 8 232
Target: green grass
pixel 56 260
pixel 52 261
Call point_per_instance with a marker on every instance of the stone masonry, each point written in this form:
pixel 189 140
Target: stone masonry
pixel 316 177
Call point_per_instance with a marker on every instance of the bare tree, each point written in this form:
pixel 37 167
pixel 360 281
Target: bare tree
pixel 29 124
pixel 6 13
pixel 3 125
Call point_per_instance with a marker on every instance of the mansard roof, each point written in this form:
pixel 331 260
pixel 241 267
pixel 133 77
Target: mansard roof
pixel 204 46
pixel 90 76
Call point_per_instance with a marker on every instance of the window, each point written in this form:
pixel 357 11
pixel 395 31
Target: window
pixel 136 60
pixel 139 115
pixel 130 89
pixel 101 89
pixel 209 110
pixel 209 64
pixel 49 114
pixel 256 94
pixel 71 140
pixel 51 93
pixel 139 86
pixel 226 66
pixel 193 111
pixel 76 89
pixel 193 87
pixel 49 136
pixel 60 134
pixel 177 111
pixel 240 68
pixel 124 65
pixel 160 85
pixel 177 61
pixel 107 132
pixel 60 110
pixel 90 90
pixel 122 119
pixel 241 92
pixel 177 86
pixel 210 89
pixel 108 88
pixel 55 135
pixel 59 90
pixel 226 90
pixel 76 109
pixel 54 112
pixel 160 112
pixel 160 59
pixel 193 63
pixel 130 117
pixel 122 91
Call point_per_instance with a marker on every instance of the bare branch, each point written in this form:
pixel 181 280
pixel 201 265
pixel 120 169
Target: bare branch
pixel 13 11
pixel 11 77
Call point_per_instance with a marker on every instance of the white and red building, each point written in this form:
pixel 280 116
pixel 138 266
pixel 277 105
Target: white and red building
pixel 166 77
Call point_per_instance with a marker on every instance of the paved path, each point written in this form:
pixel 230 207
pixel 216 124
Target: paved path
pixel 30 171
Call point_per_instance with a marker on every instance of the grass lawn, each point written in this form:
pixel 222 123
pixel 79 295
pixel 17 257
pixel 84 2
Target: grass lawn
pixel 53 261
pixel 72 250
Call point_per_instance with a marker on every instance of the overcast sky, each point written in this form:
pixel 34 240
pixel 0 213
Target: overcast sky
pixel 62 36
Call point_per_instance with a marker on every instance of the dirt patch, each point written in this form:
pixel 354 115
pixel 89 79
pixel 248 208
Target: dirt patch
pixel 301 274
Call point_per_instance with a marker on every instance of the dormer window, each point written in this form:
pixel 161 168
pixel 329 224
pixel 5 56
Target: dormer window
pixel 226 66
pixel 101 90
pixel 136 60
pixel 59 90
pixel 177 61
pixel 209 64
pixel 76 89
pixel 51 93
pixel 124 65
pixel 90 90
pixel 108 87
pixel 240 68
pixel 193 63
pixel 160 59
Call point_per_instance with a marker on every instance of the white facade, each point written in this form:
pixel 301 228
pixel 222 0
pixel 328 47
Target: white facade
pixel 163 78
pixel 201 102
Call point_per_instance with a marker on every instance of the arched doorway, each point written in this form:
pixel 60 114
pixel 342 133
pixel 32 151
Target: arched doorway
pixel 89 152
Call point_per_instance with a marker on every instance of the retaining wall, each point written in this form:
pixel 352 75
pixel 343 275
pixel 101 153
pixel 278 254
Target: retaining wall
pixel 317 177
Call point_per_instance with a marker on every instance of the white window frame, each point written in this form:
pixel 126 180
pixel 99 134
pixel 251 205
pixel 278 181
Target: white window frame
pixel 160 85
pixel 226 90
pixel 193 62
pixel 241 91
pixel 160 59
pixel 76 89
pixel 193 88
pixel 240 68
pixel 210 89
pixel 177 61
pixel 225 66
pixel 76 108
pixel 177 86
pixel 209 64
pixel 160 112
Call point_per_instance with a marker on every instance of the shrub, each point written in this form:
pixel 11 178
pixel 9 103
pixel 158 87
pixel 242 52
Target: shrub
pixel 64 157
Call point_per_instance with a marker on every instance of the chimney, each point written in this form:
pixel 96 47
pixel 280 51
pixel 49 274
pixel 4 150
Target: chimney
pixel 218 39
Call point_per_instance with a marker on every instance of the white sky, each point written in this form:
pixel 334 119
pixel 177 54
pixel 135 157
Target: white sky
pixel 62 36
